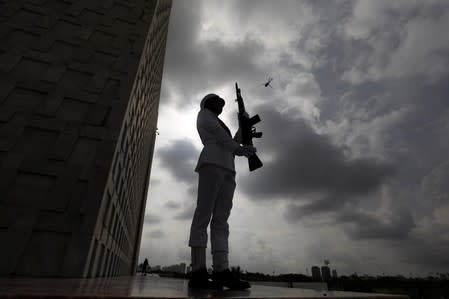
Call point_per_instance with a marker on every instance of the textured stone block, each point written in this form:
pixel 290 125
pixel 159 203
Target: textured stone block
pixel 35 85
pixel 23 100
pixel 107 3
pixel 62 51
pixel 81 95
pixel 83 151
pixel 12 160
pixel 98 114
pixel 75 256
pixel 31 14
pixel 41 56
pixel 86 32
pixel 26 27
pixel 110 91
pixel 6 113
pixel 30 68
pixel 77 197
pixel 101 39
pixel 64 146
pixel 44 254
pixel 85 68
pixel 19 119
pixel 9 137
pixel 5 216
pixel 44 43
pixel 72 111
pixel 54 73
pixel 9 10
pixel 98 81
pixel 6 86
pixel 48 21
pixel 17 239
pixel 98 133
pixel 9 59
pixel 53 221
pixel 27 193
pixel 137 47
pixel 52 103
pixel 72 80
pixel 51 169
pixel 59 198
pixel 7 178
pixel 121 42
pixel 50 124
pixel 105 150
pixel 37 2
pixel 35 142
pixel 76 8
pixel 84 55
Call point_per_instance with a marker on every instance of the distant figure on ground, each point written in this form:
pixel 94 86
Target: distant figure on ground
pixel 216 187
pixel 145 266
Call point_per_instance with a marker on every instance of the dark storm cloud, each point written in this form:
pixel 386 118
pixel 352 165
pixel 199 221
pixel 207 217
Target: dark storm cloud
pixel 187 210
pixel 184 254
pixel 381 71
pixel 195 66
pixel 387 40
pixel 366 226
pixel 434 185
pixel 396 110
pixel 431 253
pixel 415 139
pixel 152 219
pixel 156 234
pixel 155 181
pixel 317 205
pixel 172 205
pixel 302 162
pixel 180 158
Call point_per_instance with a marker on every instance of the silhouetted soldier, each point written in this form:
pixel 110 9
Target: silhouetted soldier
pixel 216 187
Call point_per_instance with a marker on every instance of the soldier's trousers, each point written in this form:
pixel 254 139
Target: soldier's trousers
pixel 216 187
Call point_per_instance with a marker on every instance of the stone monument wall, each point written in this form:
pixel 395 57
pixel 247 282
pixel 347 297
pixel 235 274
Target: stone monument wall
pixel 79 94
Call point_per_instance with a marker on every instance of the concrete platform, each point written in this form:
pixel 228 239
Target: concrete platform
pixel 152 287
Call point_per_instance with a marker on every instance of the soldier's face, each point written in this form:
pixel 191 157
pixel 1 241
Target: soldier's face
pixel 215 106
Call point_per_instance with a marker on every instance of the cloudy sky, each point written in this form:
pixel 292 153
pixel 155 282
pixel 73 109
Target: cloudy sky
pixel 355 145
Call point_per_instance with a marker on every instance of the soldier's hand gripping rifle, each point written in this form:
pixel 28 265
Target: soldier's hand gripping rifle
pixel 247 129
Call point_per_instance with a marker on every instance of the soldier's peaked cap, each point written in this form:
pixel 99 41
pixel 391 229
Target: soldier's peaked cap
pixel 211 96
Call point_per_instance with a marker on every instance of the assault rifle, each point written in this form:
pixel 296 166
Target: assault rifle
pixel 247 129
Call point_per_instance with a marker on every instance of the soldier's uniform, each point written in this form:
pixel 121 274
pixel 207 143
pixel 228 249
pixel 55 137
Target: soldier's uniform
pixel 216 184
pixel 216 187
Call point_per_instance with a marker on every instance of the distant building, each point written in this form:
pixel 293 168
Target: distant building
pixel 334 273
pixel 316 274
pixel 156 268
pixel 180 268
pixel 325 273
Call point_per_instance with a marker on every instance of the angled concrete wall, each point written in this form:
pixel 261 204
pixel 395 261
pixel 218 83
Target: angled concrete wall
pixel 79 95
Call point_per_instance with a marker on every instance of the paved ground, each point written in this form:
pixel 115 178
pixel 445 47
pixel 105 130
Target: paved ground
pixel 151 287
